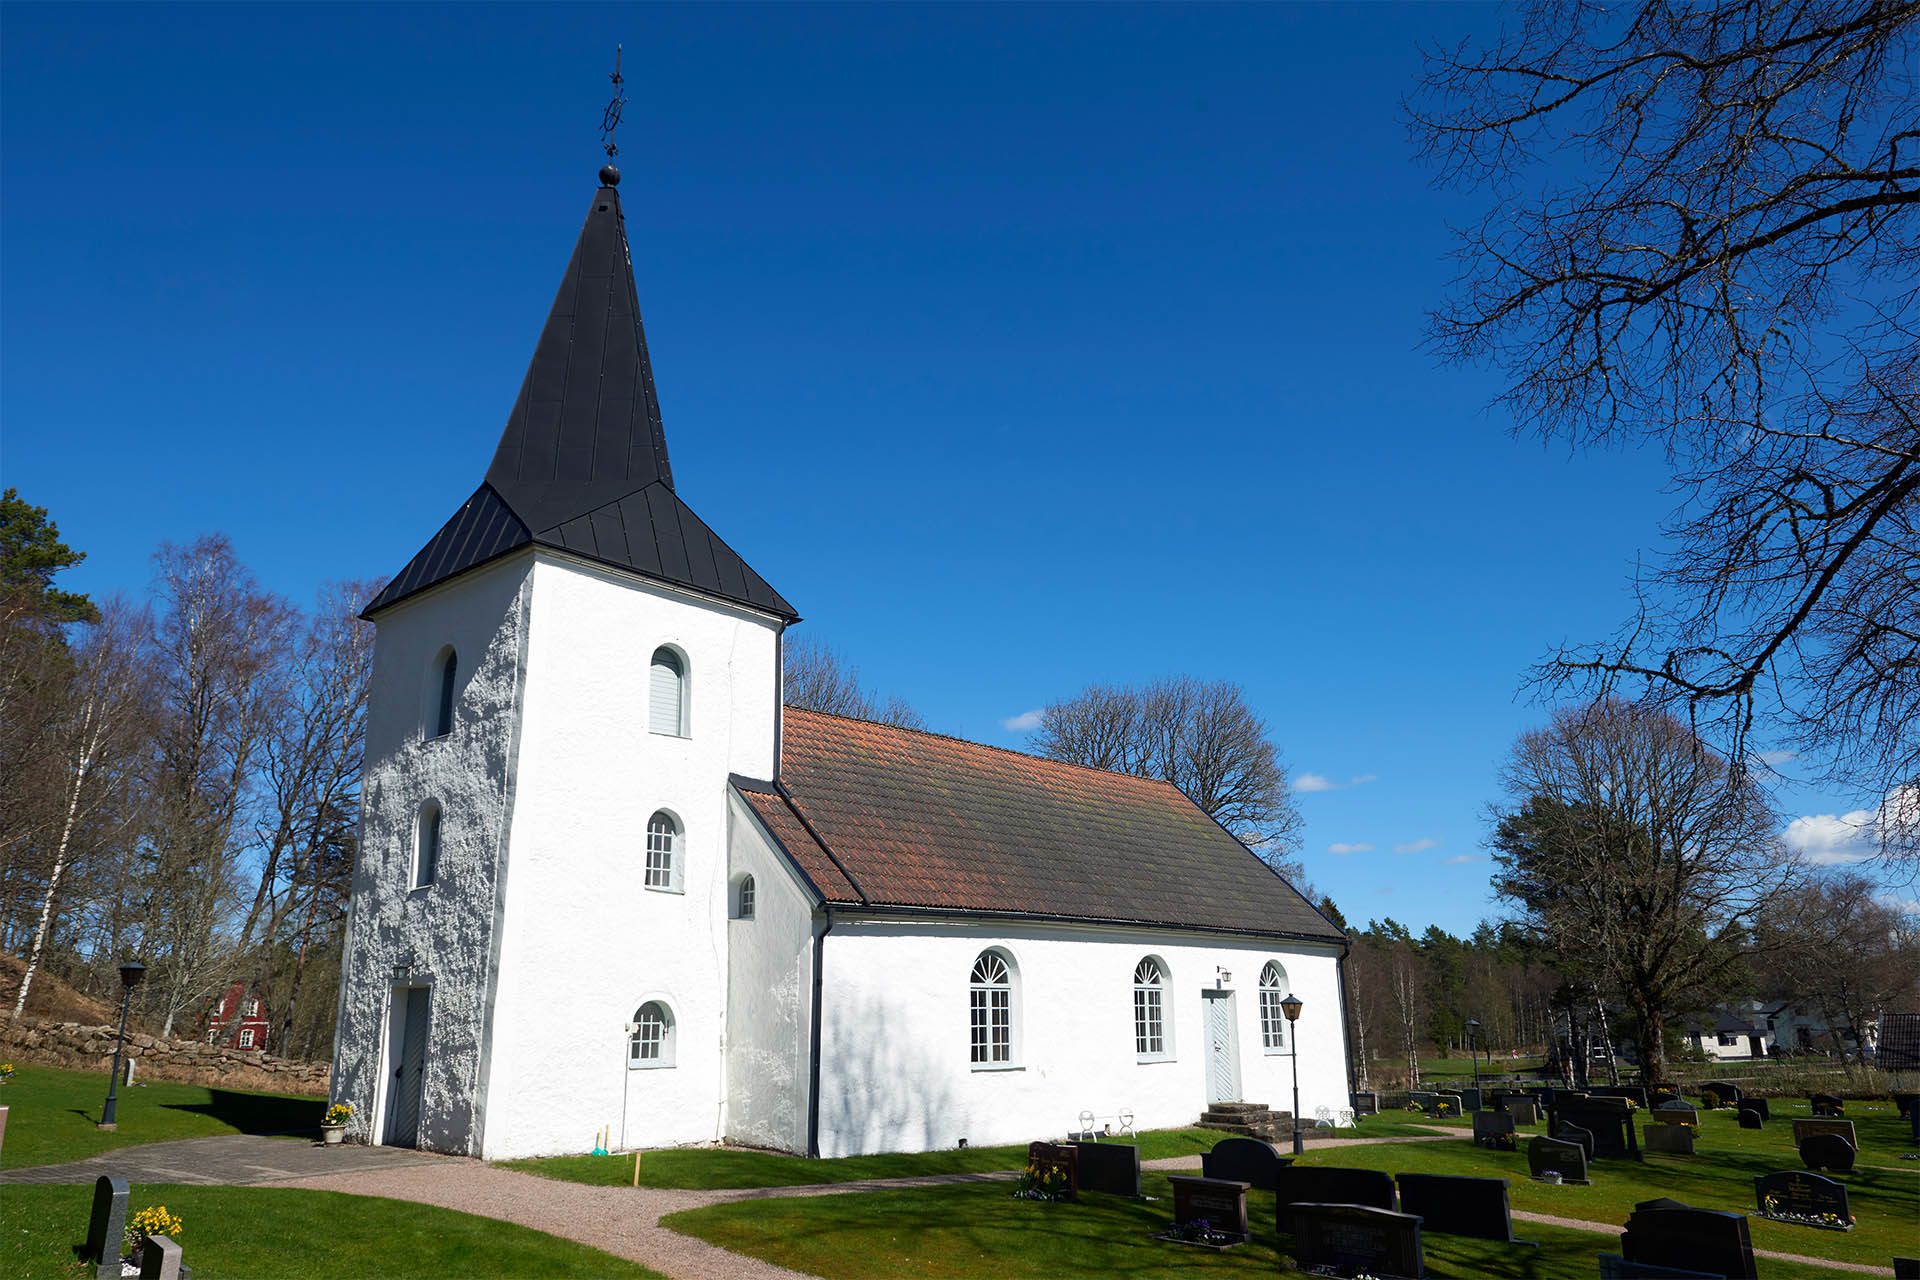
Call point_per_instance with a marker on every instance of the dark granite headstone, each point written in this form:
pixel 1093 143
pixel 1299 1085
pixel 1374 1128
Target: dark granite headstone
pixel 1220 1202
pixel 1675 1111
pixel 1575 1134
pixel 1568 1159
pixel 1827 1151
pixel 1758 1105
pixel 1493 1129
pixel 1825 1104
pixel 160 1260
pixel 1042 1156
pixel 1247 1160
pixel 1472 1100
pixel 1906 1269
pixel 1523 1110
pixel 1615 1267
pixel 1634 1093
pixel 1366 1103
pixel 1350 1239
pixel 1725 1094
pixel 106 1227
pixel 1112 1167
pixel 1458 1206
pixel 1804 1129
pixel 1667 1233
pixel 1806 1198
pixel 1327 1184
pixel 1670 1140
pixel 1749 1119
pixel 1904 1103
pixel 1609 1121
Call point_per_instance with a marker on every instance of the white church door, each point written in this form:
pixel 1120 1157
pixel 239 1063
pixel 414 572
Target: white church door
pixel 407 1067
pixel 1223 1051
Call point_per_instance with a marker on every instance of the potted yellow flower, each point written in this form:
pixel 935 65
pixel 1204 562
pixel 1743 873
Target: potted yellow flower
pixel 155 1221
pixel 334 1127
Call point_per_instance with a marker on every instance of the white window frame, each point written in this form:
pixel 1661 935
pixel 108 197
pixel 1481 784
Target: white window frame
pixel 1152 1012
pixel 993 1012
pixel 426 870
pixel 1273 1019
pixel 684 729
pixel 661 1043
pixel 246 1038
pixel 664 869
pixel 745 891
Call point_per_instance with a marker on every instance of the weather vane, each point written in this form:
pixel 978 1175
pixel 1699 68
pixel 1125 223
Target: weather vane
pixel 611 120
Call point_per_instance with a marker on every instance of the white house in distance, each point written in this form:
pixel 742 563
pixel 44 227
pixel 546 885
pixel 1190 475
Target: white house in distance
pixel 608 883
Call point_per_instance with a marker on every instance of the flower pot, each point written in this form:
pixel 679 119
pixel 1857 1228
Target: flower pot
pixel 333 1133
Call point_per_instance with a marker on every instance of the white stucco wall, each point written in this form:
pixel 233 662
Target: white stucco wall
pixel 769 996
pixel 447 927
pixel 584 942
pixel 895 1069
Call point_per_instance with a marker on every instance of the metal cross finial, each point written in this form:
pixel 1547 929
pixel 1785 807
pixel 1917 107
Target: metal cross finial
pixel 611 120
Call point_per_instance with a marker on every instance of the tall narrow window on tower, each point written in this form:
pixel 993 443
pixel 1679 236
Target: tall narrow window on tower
pixel 668 705
pixel 426 853
pixel 445 669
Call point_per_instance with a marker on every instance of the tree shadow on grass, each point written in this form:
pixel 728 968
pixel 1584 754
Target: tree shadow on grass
pixel 258 1113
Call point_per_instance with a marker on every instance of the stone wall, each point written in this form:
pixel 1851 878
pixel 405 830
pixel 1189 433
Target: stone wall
pixel 71 1044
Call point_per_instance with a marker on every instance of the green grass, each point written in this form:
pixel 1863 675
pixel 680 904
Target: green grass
pixel 262 1233
pixel 51 1114
pixel 710 1169
pixel 980 1230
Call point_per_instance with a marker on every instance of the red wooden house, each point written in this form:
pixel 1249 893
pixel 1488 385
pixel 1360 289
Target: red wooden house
pixel 247 1031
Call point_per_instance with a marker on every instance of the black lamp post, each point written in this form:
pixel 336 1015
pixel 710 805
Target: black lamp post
pixel 130 974
pixel 1291 1007
pixel 1473 1054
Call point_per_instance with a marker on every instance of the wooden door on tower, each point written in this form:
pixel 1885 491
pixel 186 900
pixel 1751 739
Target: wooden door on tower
pixel 411 1006
pixel 1223 1051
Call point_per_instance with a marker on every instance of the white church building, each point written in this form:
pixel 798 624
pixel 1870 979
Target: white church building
pixel 607 883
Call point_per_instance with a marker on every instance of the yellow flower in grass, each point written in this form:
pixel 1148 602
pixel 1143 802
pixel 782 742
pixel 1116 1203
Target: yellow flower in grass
pixel 153 1221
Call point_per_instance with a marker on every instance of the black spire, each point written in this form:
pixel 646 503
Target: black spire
pixel 582 465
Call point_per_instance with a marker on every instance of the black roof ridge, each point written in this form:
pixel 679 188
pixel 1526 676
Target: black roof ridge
pixel 988 746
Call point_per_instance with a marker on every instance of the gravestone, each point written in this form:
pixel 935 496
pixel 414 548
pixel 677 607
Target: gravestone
pixel 1660 1093
pixel 1453 1104
pixel 1220 1202
pixel 1472 1100
pixel 1727 1092
pixel 1632 1092
pixel 1906 1269
pixel 1422 1099
pixel 1568 1159
pixel 1675 1111
pixel 1804 1198
pixel 1904 1103
pixel 1494 1130
pixel 1666 1233
pixel 1523 1110
pixel 1759 1105
pixel 1349 1239
pixel 1112 1167
pixel 1575 1134
pixel 1804 1129
pixel 1670 1139
pixel 1610 1123
pixel 106 1227
pixel 1458 1206
pixel 1247 1160
pixel 1045 1156
pixel 160 1260
pixel 1825 1104
pixel 1749 1119
pixel 1366 1104
pixel 1827 1151
pixel 1326 1184
pixel 1615 1267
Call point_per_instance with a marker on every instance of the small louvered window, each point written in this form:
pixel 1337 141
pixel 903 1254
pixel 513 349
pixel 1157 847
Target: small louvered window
pixel 668 697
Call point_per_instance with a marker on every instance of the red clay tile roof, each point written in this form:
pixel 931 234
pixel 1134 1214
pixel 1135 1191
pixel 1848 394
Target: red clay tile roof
pixel 896 817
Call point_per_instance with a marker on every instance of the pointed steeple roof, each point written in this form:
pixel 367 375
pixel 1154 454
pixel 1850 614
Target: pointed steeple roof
pixel 582 465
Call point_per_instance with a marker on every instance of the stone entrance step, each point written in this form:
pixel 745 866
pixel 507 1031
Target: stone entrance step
pixel 1248 1120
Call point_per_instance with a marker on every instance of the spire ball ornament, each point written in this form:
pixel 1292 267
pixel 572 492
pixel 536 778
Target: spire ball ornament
pixel 609 176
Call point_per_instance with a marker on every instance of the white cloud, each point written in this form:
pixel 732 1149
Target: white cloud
pixel 1321 782
pixel 1421 845
pixel 1772 758
pixel 1825 839
pixel 1458 859
pixel 1025 722
pixel 1910 906
pixel 1344 849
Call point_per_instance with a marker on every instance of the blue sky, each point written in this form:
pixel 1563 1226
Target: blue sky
pixel 1018 347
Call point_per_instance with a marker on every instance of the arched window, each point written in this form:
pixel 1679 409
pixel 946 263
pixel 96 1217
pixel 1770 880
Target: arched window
pixel 446 668
pixel 1149 1009
pixel 426 846
pixel 1273 1019
pixel 991 1008
pixel 667 685
pixel 743 899
pixel 663 852
pixel 650 1040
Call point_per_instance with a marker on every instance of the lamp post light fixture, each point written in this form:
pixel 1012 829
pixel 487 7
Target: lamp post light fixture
pixel 1291 1007
pixel 130 974
pixel 1473 1055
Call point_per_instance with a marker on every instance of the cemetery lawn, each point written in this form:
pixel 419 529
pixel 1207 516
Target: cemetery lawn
pixel 715 1169
pixel 260 1233
pixel 51 1114
pixel 971 1230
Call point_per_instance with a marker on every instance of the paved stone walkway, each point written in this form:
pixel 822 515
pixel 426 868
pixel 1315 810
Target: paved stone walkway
pixel 232 1160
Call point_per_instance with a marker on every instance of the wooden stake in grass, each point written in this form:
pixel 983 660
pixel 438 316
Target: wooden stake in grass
pixel 636 1168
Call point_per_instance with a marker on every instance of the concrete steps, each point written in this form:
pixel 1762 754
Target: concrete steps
pixel 1248 1120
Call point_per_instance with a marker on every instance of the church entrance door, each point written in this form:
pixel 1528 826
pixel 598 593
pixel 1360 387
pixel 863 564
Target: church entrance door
pixel 408 1065
pixel 1223 1050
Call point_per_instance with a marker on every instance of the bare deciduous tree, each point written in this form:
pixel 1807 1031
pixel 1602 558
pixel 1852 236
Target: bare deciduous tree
pixel 1201 736
pixel 1706 234
pixel 1833 943
pixel 815 677
pixel 1638 858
